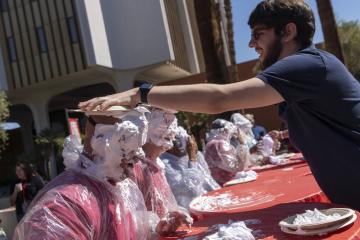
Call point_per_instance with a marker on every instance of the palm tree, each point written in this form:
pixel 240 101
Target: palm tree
pixel 234 75
pixel 214 19
pixel 212 30
pixel 329 26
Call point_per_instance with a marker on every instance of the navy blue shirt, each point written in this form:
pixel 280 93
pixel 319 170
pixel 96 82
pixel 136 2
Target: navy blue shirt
pixel 322 113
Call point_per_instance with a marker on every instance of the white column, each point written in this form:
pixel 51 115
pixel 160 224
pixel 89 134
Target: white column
pixel 39 108
pixel 124 80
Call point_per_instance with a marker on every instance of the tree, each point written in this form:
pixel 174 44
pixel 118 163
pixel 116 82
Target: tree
pixel 214 19
pixel 50 146
pixel 349 33
pixel 329 27
pixel 4 114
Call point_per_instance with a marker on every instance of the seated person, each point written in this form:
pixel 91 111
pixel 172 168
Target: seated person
pixel 223 158
pixel 258 131
pixel 283 137
pixel 149 172
pixel 91 199
pixel 186 169
pixel 263 150
pixel 245 127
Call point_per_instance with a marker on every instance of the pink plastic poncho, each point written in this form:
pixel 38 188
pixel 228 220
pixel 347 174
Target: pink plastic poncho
pixel 77 206
pixel 221 158
pixel 156 191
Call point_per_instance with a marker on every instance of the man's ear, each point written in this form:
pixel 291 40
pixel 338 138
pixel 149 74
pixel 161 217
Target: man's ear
pixel 289 32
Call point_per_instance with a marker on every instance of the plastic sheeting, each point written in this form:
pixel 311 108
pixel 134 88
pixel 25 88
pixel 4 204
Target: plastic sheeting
pixel 232 230
pixel 245 126
pixel 94 199
pixel 159 198
pixel 188 179
pixel 156 191
pixel 224 159
pixel 76 205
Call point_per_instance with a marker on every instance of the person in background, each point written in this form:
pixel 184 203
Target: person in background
pixel 279 135
pixel 283 137
pixel 225 159
pixel 258 130
pixel 186 169
pixel 244 128
pixel 30 182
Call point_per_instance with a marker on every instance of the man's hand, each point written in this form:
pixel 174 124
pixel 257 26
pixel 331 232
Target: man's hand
pixel 172 221
pixel 129 98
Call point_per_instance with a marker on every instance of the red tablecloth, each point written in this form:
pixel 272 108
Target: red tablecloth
pixel 267 227
pixel 283 184
pixel 278 192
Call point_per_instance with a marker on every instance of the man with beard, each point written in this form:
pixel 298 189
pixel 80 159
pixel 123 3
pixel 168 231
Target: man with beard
pixel 318 98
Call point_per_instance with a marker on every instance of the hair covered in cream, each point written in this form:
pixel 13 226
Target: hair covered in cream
pixel 181 139
pixel 222 129
pixel 162 128
pixel 115 146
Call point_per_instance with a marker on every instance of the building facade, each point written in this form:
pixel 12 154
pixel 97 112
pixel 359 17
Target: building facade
pixel 55 53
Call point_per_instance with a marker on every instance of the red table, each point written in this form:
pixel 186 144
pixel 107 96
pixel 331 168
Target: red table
pixel 267 227
pixel 293 190
pixel 292 182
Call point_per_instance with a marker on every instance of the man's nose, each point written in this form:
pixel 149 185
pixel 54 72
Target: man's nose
pixel 252 43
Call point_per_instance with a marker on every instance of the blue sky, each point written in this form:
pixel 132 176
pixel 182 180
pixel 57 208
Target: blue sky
pixel 344 10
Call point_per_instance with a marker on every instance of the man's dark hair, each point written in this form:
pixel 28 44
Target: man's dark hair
pixel 278 13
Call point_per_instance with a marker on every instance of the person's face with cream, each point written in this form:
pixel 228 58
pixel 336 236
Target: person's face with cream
pixel 162 129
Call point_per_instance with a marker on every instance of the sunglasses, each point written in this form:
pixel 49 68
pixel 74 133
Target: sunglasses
pixel 256 34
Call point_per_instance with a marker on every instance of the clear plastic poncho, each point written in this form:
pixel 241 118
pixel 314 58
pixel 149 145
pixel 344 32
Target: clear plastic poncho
pixel 187 179
pixel 149 173
pixel 245 126
pixel 88 200
pixel 223 158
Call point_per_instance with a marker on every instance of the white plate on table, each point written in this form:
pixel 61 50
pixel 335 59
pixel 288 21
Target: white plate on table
pixel 111 111
pixel 347 216
pixel 321 231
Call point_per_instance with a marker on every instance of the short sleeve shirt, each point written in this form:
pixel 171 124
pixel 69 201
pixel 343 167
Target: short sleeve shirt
pixel 322 112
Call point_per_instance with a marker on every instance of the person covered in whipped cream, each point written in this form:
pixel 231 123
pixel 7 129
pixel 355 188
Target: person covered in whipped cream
pixel 95 198
pixel 262 151
pixel 225 159
pixel 186 169
pixel 149 173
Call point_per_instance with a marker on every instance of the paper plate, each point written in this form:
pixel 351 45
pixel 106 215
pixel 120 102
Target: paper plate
pixel 111 111
pixel 345 215
pixel 239 181
pixel 321 231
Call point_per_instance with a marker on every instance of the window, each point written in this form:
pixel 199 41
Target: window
pixel 4 5
pixel 11 49
pixel 72 30
pixel 41 39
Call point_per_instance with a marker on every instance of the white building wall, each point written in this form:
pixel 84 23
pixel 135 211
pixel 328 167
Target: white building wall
pixel 125 34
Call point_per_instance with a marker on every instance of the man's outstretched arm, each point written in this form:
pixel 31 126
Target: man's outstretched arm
pixel 203 98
